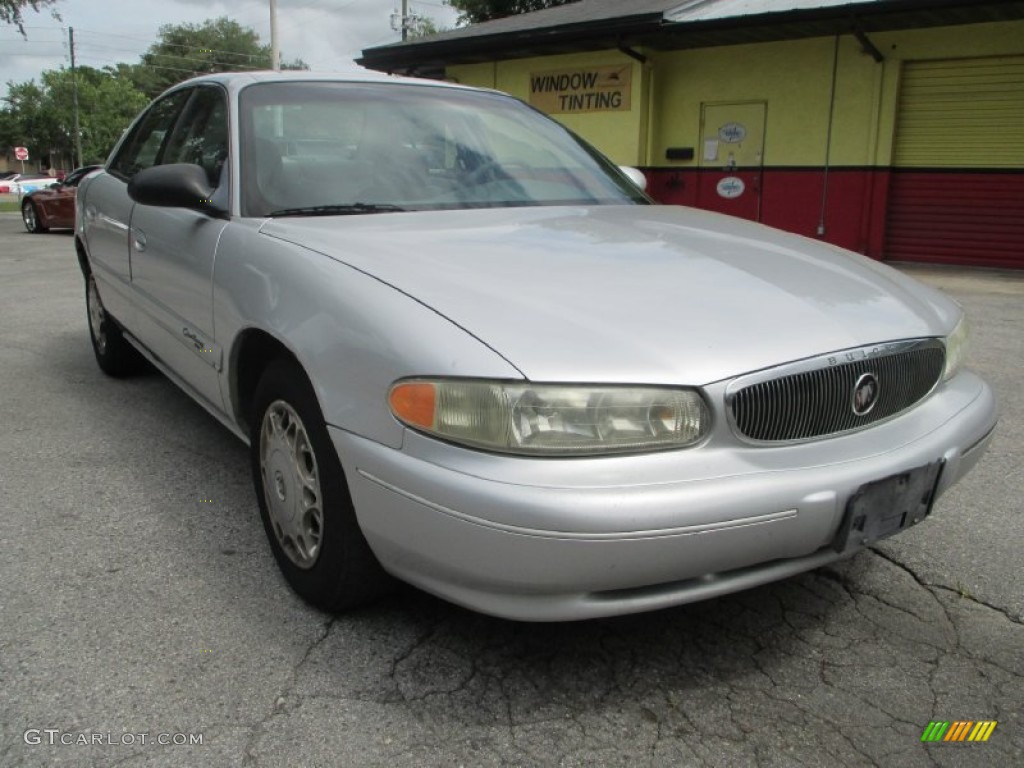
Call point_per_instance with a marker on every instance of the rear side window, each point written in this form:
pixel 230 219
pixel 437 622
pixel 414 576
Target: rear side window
pixel 143 147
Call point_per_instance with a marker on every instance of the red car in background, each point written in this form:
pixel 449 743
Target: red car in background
pixel 54 207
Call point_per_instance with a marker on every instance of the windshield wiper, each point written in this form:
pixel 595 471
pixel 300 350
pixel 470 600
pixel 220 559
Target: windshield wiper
pixel 338 210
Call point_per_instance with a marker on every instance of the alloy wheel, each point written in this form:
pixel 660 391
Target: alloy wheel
pixel 97 317
pixel 28 215
pixel 291 484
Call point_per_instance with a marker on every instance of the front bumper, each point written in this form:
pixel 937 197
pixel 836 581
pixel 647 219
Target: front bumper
pixel 550 540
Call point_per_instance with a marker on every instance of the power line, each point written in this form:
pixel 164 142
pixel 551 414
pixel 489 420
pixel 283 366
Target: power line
pixel 134 51
pixel 308 5
pixel 168 69
pixel 113 34
pixel 197 70
pixel 23 41
pixel 41 55
pixel 175 45
pixel 92 46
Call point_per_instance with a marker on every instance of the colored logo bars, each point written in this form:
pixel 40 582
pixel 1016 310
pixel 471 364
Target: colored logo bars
pixel 959 730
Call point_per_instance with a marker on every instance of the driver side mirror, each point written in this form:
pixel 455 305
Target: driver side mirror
pixel 175 185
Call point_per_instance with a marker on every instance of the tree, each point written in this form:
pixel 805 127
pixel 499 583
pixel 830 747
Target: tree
pixel 22 121
pixel 475 11
pixel 421 26
pixel 10 11
pixel 107 103
pixel 41 117
pixel 186 50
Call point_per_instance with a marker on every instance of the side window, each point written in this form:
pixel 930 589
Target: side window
pixel 201 135
pixel 73 179
pixel 142 148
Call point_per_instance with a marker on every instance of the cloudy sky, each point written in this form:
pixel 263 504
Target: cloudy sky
pixel 326 34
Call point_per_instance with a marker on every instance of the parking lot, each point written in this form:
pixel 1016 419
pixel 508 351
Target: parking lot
pixel 143 621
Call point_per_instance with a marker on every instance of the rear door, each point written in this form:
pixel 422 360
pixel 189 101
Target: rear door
pixel 107 209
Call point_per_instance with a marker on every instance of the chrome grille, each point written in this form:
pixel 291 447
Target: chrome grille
pixel 781 406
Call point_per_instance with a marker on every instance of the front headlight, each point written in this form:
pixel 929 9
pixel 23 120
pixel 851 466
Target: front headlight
pixel 551 419
pixel 956 348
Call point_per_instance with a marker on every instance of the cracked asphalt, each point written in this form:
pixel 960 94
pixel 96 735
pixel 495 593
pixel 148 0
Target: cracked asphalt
pixel 138 596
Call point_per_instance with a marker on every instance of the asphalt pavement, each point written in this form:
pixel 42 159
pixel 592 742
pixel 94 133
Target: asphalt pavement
pixel 143 621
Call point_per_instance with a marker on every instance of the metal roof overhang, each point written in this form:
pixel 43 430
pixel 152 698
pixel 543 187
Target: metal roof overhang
pixel 429 58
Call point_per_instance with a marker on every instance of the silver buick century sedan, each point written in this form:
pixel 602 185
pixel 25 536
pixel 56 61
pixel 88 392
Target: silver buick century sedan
pixel 467 351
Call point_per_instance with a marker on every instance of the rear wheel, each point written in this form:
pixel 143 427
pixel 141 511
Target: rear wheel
pixel 30 216
pixel 303 497
pixel 115 356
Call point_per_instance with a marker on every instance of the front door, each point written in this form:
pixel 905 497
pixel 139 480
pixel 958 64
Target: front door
pixel 173 251
pixel 731 157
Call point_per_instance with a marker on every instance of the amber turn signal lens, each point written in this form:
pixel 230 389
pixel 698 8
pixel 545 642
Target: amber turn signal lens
pixel 413 402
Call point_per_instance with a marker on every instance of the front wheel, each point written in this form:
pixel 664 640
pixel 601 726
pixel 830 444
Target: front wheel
pixel 30 216
pixel 304 500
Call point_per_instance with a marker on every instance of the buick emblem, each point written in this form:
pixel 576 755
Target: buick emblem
pixel 865 394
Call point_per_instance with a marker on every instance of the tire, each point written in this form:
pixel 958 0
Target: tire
pixel 304 499
pixel 115 356
pixel 30 216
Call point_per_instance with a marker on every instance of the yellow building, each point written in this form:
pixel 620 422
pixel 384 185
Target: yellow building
pixel 893 127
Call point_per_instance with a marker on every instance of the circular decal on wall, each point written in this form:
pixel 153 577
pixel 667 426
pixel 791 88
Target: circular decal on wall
pixel 730 187
pixel 732 133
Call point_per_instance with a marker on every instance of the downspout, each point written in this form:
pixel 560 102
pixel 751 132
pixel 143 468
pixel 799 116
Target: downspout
pixel 828 136
pixel 648 158
pixel 632 53
pixel 647 94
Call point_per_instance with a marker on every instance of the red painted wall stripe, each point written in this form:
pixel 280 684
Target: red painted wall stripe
pixel 791 200
pixel 970 218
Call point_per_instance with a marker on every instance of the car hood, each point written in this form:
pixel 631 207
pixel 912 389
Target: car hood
pixel 630 294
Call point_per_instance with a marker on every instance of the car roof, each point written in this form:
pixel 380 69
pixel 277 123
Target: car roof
pixel 235 81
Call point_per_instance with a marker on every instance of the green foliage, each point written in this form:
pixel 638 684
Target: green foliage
pixel 475 11
pixel 187 50
pixel 22 118
pixel 423 27
pixel 10 11
pixel 41 117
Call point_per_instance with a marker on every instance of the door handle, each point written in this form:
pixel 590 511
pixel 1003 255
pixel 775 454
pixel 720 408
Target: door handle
pixel 140 241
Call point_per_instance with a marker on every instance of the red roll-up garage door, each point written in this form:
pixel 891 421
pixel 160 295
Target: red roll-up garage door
pixel 957 190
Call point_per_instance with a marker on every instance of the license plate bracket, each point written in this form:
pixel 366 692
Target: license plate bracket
pixel 885 507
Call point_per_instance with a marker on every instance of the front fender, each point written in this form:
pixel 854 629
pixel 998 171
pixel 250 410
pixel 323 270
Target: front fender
pixel 353 334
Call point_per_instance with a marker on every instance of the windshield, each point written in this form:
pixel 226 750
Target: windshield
pixel 313 148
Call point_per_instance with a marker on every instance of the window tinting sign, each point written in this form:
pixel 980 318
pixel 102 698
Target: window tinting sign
pixel 591 89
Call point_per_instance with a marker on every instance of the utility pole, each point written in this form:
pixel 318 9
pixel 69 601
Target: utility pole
pixel 402 21
pixel 275 45
pixel 74 95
